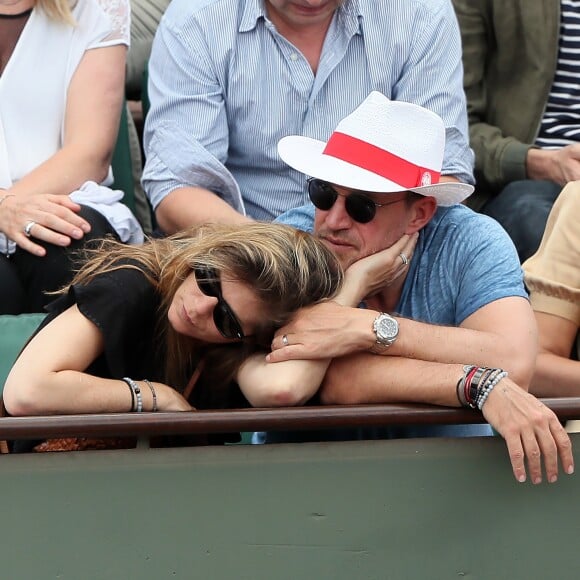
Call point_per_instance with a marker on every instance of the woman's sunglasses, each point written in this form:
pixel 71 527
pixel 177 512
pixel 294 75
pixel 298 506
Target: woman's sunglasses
pixel 225 320
pixel 359 207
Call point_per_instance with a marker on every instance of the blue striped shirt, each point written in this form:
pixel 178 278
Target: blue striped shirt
pixel 561 121
pixel 225 87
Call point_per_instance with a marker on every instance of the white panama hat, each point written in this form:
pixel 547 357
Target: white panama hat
pixel 383 146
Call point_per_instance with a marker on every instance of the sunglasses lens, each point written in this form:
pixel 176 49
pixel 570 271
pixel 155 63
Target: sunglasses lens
pixel 360 208
pixel 206 281
pixel 225 320
pixel 321 194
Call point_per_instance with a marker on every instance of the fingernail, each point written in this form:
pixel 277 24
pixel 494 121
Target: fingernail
pixel 522 478
pixel 570 470
pixel 86 228
pixel 77 234
pixel 553 479
pixel 537 480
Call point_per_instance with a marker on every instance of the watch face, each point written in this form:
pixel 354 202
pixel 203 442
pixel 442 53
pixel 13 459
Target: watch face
pixel 387 328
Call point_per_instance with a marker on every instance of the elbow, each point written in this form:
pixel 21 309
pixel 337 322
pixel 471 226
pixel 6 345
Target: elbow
pixel 24 396
pixel 521 368
pixel 22 401
pixel 280 396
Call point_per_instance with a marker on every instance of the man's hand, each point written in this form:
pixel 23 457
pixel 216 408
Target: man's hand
pixel 325 330
pixel 558 165
pixel 374 273
pixel 531 431
pixel 54 219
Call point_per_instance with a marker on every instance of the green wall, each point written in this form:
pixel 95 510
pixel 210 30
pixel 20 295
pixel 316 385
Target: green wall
pixel 406 509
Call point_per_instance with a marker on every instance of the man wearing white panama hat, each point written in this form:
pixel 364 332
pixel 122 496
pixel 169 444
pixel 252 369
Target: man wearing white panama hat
pixel 446 319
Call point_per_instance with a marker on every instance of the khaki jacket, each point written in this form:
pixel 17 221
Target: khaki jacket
pixel 510 51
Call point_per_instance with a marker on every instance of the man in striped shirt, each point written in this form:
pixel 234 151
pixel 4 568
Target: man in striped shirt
pixel 522 71
pixel 229 78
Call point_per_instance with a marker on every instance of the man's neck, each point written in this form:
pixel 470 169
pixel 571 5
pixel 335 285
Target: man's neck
pixel 388 298
pixel 309 40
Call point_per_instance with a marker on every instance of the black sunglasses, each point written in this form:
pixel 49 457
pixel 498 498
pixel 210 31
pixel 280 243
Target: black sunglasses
pixel 359 207
pixel 225 320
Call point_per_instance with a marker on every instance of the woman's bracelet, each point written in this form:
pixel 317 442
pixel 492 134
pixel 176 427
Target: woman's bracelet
pixel 153 393
pixel 136 396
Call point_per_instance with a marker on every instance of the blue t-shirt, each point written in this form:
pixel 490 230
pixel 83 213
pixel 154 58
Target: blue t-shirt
pixel 463 261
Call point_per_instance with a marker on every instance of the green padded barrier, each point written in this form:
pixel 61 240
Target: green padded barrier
pixel 14 332
pixel 423 509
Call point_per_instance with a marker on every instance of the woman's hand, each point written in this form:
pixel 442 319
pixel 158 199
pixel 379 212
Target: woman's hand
pixel 371 274
pixel 168 399
pixel 50 218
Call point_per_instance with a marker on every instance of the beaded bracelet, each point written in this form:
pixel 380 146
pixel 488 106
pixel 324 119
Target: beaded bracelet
pixel 489 386
pixel 136 390
pixel 132 396
pixel 153 393
pixel 474 387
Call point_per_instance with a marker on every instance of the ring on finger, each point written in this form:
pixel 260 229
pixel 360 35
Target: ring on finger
pixel 404 259
pixel 28 227
pixel 285 339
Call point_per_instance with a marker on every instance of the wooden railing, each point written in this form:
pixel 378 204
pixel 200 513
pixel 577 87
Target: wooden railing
pixel 324 417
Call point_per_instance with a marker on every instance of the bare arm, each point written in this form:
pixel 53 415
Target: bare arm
pixel 49 378
pixel 188 206
pixel 501 334
pixel 556 374
pixel 266 383
pixel 93 108
pixel 529 428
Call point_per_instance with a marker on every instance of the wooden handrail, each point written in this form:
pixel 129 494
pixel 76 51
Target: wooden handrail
pixel 234 420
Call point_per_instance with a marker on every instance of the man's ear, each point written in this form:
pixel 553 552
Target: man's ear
pixel 421 212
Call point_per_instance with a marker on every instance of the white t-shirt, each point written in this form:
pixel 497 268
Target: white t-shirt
pixel 34 84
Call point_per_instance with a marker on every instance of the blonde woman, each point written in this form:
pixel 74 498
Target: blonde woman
pixel 214 294
pixel 62 67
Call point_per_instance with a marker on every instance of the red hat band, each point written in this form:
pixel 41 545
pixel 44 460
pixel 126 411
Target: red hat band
pixel 379 161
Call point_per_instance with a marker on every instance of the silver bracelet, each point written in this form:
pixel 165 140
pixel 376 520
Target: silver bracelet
pixel 150 385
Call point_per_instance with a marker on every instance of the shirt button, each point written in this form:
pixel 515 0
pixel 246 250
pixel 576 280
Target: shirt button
pixel 294 56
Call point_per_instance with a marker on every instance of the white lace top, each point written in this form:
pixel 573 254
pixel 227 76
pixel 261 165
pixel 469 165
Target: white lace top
pixel 118 12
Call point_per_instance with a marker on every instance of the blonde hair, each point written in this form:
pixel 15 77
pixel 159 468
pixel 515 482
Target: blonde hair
pixel 59 10
pixel 288 269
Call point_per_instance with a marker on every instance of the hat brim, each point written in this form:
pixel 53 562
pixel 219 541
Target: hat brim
pixel 306 155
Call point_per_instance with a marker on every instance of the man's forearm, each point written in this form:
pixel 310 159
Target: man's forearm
pixel 367 378
pixel 443 344
pixel 191 206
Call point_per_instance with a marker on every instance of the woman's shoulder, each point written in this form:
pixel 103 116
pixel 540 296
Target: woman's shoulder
pixel 116 14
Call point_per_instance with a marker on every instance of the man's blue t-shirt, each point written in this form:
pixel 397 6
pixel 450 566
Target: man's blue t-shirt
pixel 463 260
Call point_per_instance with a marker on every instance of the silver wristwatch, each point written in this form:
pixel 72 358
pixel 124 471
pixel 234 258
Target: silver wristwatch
pixel 386 329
